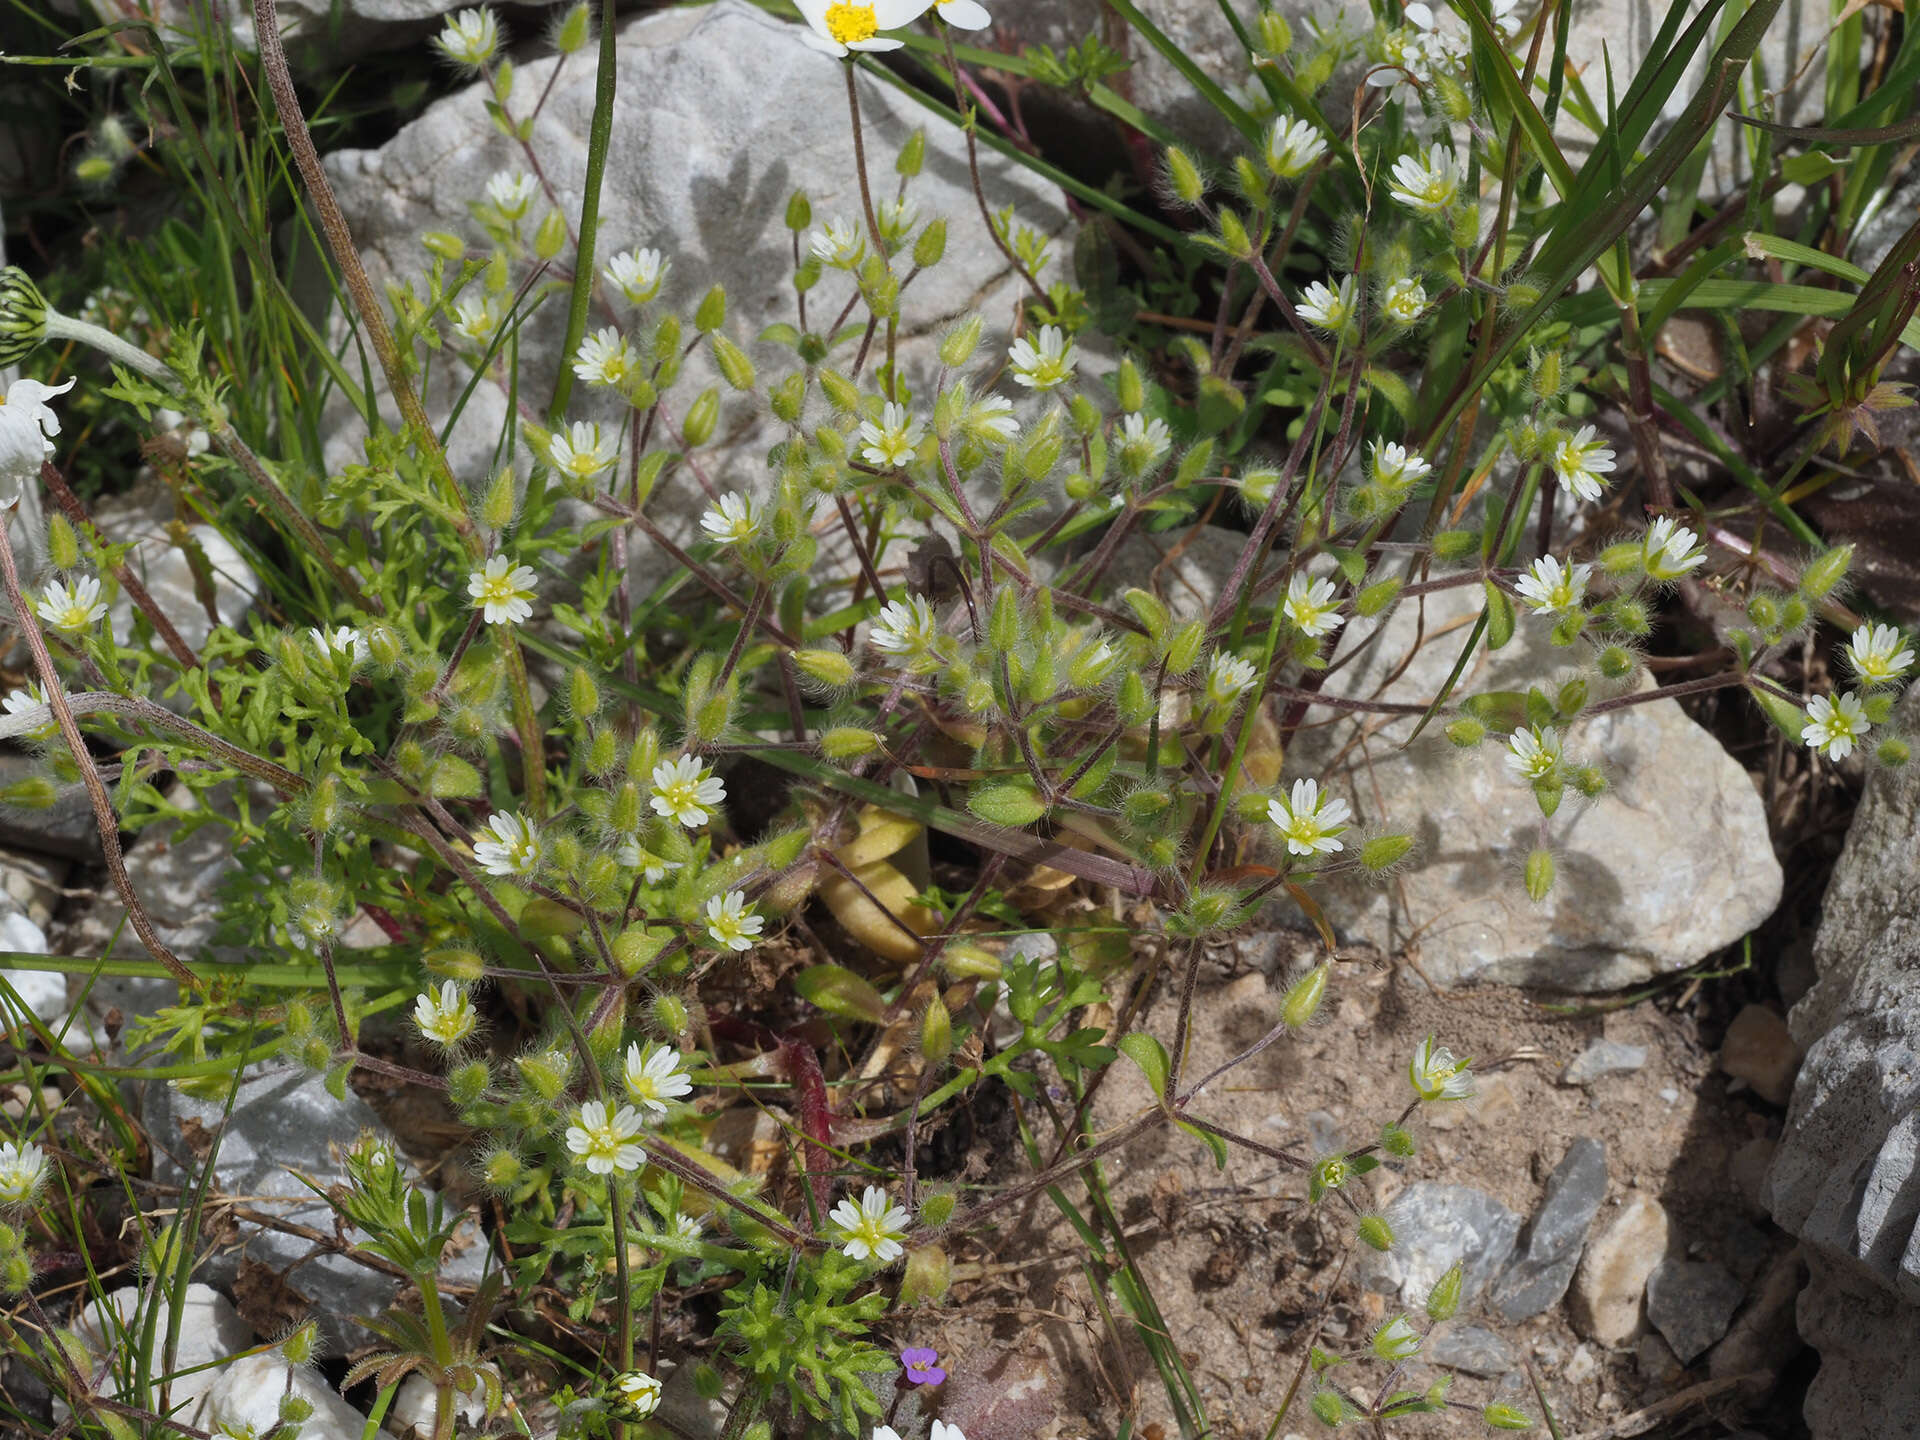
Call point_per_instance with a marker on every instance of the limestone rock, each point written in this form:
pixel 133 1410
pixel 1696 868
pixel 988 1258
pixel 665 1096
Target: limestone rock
pixel 1763 1336
pixel 1672 863
pixel 210 1330
pixel 1541 1271
pixel 1603 1057
pixel 1434 1226
pixel 1691 1302
pixel 1607 1288
pixel 1868 1387
pixel 246 1400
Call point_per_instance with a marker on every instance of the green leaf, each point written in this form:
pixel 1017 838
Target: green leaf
pixel 839 991
pixel 1500 616
pixel 1013 803
pixel 1150 1055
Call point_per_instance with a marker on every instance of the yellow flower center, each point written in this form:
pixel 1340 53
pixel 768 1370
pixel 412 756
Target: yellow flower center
pixel 850 24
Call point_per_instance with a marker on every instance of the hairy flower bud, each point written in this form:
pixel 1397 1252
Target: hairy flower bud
pixel 23 315
pixel 1302 1000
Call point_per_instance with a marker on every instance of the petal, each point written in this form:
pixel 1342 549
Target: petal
pixel 823 45
pixel 876 45
pixel 965 14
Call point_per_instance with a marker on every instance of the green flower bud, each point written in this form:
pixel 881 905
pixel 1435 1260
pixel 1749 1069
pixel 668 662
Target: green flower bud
pixel 732 362
pixel 302 1345
pixel 841 392
pixel 789 398
pixel 1184 177
pixel 936 1032
pixel 1453 546
pixel 1764 611
pixel 841 743
pixel 1548 373
pixel 1383 852
pixel 1589 781
pixel 827 666
pixel 1233 238
pixel 1522 296
pixel 1331 1408
pixel 799 211
pixel 35 792
pixel 1793 613
pixel 574 30
pixel 501 500
pixel 1630 616
pixel 1276 35
pixel 603 753
pixel 1396 1139
pixel 712 313
pixel 1376 597
pixel 63 546
pixel 1466 732
pixel 1183 651
pixel 23 315
pixel 1893 752
pixel 959 343
pixel 1505 1417
pixel 1539 874
pixel 1396 1340
pixel 583 694
pixel 931 244
pixel 1376 1233
pixel 913 155
pixel 550 237
pixel 1134 702
pixel 1627 558
pixel 702 419
pixel 928 1275
pixel 502 1170
pixel 1617 662
pixel 634 949
pixel 1572 698
pixel 1824 575
pixel 1444 1299
pixel 295 1409
pixel 1302 1000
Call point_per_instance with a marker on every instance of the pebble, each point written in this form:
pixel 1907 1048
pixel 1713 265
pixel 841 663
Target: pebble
pixel 1582 1366
pixel 1539 1274
pixel 1603 1057
pixel 414 1407
pixel 1759 1050
pixel 1471 1350
pixel 1604 1304
pixel 1435 1225
pixel 210 1331
pixel 1691 1303
pixel 246 1400
pixel 1656 1362
pixel 44 992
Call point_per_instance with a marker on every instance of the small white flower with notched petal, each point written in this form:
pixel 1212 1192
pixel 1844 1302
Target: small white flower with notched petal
pixel 1143 443
pixel 730 520
pixel 582 451
pixel 1228 678
pixel 1669 550
pixel 1428 186
pixel 19 702
pixel 730 924
pixel 606 359
pixel 502 591
pixel 1877 653
pixel 637 274
pixel 510 845
pixel 1533 754
pixel 1292 147
pixel 990 421
pixel 606 1142
pixel 26 424
pixel 904 627
pixel 637 1394
pixel 1552 588
pixel 1396 1340
pixel 869 1227
pixel 72 609
pixel 23 1169
pixel 683 790
pixel 890 441
pixel 1308 820
pixel 653 1077
pixel 511 192
pixel 473 319
pixel 1311 605
pixel 635 856
pixel 471 38
pixel 1436 1075
pixel 446 1018
pixel 1405 301
pixel 1330 309
pixel 843 244
pixel 343 640
pixel 963 14
pixel 1046 365
pixel 1395 465
pixel 1579 460
pixel 836 26
pixel 1834 725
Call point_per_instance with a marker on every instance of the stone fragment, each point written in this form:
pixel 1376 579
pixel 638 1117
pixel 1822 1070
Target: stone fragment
pixel 44 992
pixel 34 883
pixel 1434 1226
pixel 1603 1057
pixel 246 1400
pixel 1759 1049
pixel 210 1330
pixel 1471 1349
pixel 415 1406
pixel 1543 1267
pixel 1656 1362
pixel 1762 1336
pixel 1691 1302
pixel 1604 1303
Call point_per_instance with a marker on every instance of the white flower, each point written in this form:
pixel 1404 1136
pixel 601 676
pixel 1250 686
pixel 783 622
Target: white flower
pixel 843 244
pixel 836 26
pixel 1580 460
pixel 684 791
pixel 1143 443
pixel 502 591
pixel 605 358
pixel 1046 365
pixel 869 1227
pixel 1833 725
pixel 904 627
pixel 24 1167
pixel 1552 588
pixel 606 1144
pixel 1330 309
pixel 1534 753
pixel 26 422
pixel 1308 820
pixel 684 1226
pixel 1395 465
pixel 342 640
pixel 510 845
pixel 1251 96
pixel 446 1018
pixel 18 702
pixel 962 15
pixel 1505 17
pixel 1228 678
pixel 990 420
pixel 1430 186
pixel 1396 1340
pixel 1668 550
pixel 1405 301
pixel 1436 1075
pixel 1293 146
pixel 637 274
pixel 72 609
pixel 730 924
pixel 1310 605
pixel 511 192
pixel 943 1431
pixel 639 1393
pixel 1877 653
pixel 653 1077
pixel 582 451
pixel 473 319
pixel 895 218
pixel 471 38
pixel 890 441
pixel 635 856
pixel 730 520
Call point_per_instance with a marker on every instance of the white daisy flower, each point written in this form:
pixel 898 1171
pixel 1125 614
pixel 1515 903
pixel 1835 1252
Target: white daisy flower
pixel 342 640
pixel 731 520
pixel 890 441
pixel 1533 754
pixel 508 846
pixel 637 274
pixel 1834 725
pixel 1428 186
pixel 471 38
pixel 730 924
pixel 32 697
pixel 1395 465
pixel 1579 460
pixel 606 359
pixel 843 244
pixel 23 1169
pixel 1143 443
pixel 869 1227
pixel 1311 605
pixel 635 856
pixel 582 451
pixel 446 1018
pixel 1877 653
pixel 990 421
pixel 1328 309
pixel 1669 550
pixel 1292 147
pixel 1552 588
pixel 511 192
pixel 836 26
pixel 1228 678
pixel 72 609
pixel 502 591
pixel 904 627
pixel 1404 301
pixel 1436 1075
pixel 637 1393
pixel 1308 820
pixel 474 320
pixel 683 790
pixel 1044 366
pixel 26 424
pixel 606 1142
pixel 653 1077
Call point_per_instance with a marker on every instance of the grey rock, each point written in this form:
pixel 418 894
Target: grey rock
pixel 1759 1049
pixel 1434 1226
pixel 414 1407
pixel 1868 1387
pixel 1323 1131
pixel 708 86
pixel 246 1400
pixel 44 992
pixel 1671 864
pixel 65 828
pixel 1691 1302
pixel 286 1125
pixel 1603 1057
pixel 34 882
pixel 1656 1362
pixel 210 1330
pixel 1763 1336
pixel 1543 1267
pixel 1604 1303
pixel 1471 1350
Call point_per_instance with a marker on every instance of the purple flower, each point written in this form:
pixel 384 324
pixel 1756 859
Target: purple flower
pixel 923 1365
